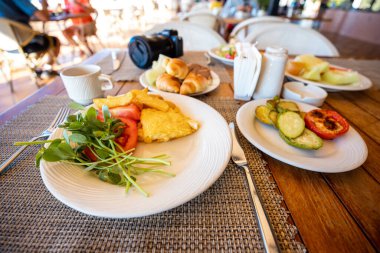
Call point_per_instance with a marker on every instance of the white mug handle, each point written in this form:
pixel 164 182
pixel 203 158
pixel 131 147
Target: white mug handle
pixel 109 84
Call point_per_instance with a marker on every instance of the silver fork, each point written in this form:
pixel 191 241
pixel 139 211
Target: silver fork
pixel 238 157
pixel 61 116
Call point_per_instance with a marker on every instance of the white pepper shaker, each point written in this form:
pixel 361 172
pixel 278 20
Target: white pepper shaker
pixel 272 73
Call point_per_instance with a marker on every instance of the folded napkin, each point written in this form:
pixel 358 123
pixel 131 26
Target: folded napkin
pixel 247 66
pixel 127 70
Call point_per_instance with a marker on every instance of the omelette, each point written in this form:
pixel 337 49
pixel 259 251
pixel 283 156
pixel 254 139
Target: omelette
pixel 162 126
pixel 160 120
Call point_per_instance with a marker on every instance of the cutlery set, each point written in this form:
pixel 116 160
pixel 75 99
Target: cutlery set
pixel 59 118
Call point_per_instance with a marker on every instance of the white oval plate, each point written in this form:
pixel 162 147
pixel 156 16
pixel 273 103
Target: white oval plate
pixel 198 160
pixel 363 83
pixel 345 153
pixel 213 54
pixel 214 84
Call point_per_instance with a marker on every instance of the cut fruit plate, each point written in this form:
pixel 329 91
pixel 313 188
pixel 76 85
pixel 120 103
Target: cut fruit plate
pixel 362 84
pixel 213 53
pixel 344 153
pixel 214 84
pixel 197 160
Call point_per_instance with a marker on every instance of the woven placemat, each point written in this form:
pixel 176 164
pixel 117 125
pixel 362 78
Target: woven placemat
pixel 219 220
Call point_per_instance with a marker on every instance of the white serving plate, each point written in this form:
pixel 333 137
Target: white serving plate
pixel 198 160
pixel 344 153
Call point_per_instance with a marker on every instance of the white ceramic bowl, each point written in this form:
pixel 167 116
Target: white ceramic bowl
pixel 306 93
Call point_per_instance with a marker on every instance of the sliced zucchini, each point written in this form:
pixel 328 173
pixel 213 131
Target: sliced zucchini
pixel 262 113
pixel 272 103
pixel 273 117
pixel 283 106
pixel 307 140
pixel 290 124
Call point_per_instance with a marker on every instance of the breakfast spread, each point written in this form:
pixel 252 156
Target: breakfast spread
pixel 300 129
pixel 315 69
pixel 176 76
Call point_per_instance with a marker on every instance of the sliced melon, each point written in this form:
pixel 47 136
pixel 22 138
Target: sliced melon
pixel 314 66
pixel 339 77
pixel 312 62
pixel 151 76
pixel 162 61
pixel 314 75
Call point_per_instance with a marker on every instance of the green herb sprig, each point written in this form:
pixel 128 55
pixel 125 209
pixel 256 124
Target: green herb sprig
pixel 83 131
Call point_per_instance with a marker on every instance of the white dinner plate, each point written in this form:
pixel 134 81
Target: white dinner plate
pixel 198 160
pixel 344 153
pixel 213 54
pixel 363 83
pixel 214 84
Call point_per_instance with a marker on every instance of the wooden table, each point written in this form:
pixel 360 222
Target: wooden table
pixel 333 212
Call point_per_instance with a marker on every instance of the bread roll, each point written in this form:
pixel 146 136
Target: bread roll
pixel 201 70
pixel 166 82
pixel 177 68
pixel 193 83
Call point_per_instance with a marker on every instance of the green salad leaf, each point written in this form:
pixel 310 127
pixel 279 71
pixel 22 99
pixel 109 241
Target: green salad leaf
pixel 90 143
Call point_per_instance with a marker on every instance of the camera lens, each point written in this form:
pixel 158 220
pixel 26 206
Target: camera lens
pixel 143 50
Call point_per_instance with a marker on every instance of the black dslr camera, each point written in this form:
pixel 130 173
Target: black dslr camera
pixel 143 50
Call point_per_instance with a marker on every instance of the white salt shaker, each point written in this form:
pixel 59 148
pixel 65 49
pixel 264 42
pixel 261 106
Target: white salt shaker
pixel 272 73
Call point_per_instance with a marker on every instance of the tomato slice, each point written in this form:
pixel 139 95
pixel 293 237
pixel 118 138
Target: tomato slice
pixel 327 124
pixel 128 140
pixel 90 154
pixel 129 115
pixel 130 111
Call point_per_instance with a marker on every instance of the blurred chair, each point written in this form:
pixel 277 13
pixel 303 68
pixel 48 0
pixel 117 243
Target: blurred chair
pixel 195 37
pixel 200 6
pixel 241 30
pixel 14 36
pixel 92 35
pixel 204 18
pixel 296 39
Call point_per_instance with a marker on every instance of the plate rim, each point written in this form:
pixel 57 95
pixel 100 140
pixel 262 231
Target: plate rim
pixel 286 160
pixel 363 80
pixel 223 161
pixel 215 78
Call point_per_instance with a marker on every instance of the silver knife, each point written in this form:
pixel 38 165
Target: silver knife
pixel 238 157
pixel 117 59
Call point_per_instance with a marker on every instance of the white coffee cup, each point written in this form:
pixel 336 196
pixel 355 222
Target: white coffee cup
pixel 84 83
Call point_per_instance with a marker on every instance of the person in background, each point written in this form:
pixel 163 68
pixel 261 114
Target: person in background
pixel 22 11
pixel 82 26
pixel 240 8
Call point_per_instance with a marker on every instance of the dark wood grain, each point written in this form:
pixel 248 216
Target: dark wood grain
pixel 360 117
pixel 360 193
pixel 317 212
